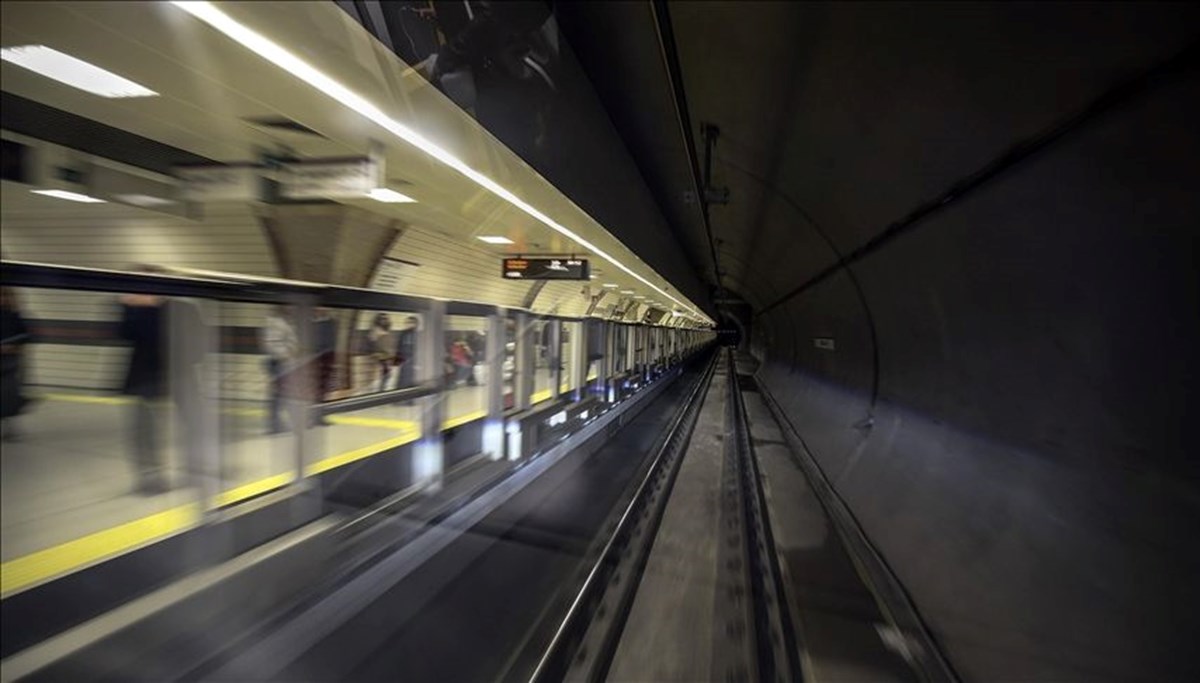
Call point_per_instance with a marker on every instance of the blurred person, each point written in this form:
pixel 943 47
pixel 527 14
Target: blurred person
pixel 14 335
pixel 282 345
pixel 477 344
pixel 325 330
pixel 148 378
pixel 464 363
pixel 406 351
pixel 448 370
pixel 382 347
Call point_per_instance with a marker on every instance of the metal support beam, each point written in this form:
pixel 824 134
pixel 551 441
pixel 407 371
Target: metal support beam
pixel 579 365
pixel 492 439
pixel 298 402
pixel 523 373
pixel 554 356
pixel 428 461
pixel 197 422
pixel 608 363
pixel 631 348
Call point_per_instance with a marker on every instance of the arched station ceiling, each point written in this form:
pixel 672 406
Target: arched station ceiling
pixel 211 65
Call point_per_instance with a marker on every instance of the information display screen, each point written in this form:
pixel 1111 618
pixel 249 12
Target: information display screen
pixel 545 269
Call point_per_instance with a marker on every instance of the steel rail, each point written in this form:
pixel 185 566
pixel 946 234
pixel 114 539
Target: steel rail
pixel 558 655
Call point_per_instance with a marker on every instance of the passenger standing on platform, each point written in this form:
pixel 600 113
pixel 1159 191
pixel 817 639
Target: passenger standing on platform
pixel 406 351
pixel 14 335
pixel 382 347
pixel 144 325
pixel 464 363
pixel 477 345
pixel 280 342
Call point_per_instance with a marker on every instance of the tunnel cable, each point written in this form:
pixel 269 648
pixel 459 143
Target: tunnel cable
pixel 670 55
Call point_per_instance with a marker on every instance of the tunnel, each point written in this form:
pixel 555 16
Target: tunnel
pixel 968 239
pixel 917 281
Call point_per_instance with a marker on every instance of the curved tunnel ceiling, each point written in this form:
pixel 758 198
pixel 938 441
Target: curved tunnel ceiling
pixel 838 121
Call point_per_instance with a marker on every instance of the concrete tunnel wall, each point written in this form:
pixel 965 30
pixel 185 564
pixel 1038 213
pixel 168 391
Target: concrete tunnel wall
pixel 1032 474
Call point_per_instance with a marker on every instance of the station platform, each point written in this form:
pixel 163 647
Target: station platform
pixel 532 527
pixel 68 495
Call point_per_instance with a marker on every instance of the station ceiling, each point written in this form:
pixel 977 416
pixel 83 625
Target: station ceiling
pixel 214 94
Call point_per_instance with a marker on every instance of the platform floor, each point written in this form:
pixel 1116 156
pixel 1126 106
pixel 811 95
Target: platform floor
pixel 68 484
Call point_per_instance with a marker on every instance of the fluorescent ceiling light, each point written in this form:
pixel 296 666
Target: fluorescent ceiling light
pixel 143 200
pixel 281 57
pixel 627 291
pixel 74 72
pixel 72 196
pixel 609 285
pixel 495 239
pixel 383 194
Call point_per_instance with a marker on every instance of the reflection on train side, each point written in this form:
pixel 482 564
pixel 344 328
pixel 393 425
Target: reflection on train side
pixel 133 409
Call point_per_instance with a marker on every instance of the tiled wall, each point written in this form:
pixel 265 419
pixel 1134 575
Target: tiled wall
pixel 114 236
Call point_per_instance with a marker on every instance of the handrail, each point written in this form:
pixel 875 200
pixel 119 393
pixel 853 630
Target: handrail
pixel 242 288
pixel 343 405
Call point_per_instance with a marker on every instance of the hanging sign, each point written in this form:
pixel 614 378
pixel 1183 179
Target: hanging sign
pixel 219 183
pixel 327 179
pixel 524 268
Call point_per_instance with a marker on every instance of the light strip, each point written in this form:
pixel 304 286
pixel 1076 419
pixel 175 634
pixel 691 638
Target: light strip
pixel 389 196
pixel 494 239
pixel 279 56
pixel 143 200
pixel 73 71
pixel 70 196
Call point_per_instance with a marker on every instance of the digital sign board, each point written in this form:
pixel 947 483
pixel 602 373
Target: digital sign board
pixel 524 268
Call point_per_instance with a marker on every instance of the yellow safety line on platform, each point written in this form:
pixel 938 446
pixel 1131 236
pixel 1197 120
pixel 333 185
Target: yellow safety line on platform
pixel 86 398
pixel 239 493
pixel 43 565
pixel 463 419
pixel 83 552
pixel 354 420
pixel 592 375
pixel 381 422
pixel 564 388
pixel 332 462
pixel 91 549
pixel 540 396
pixel 244 412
